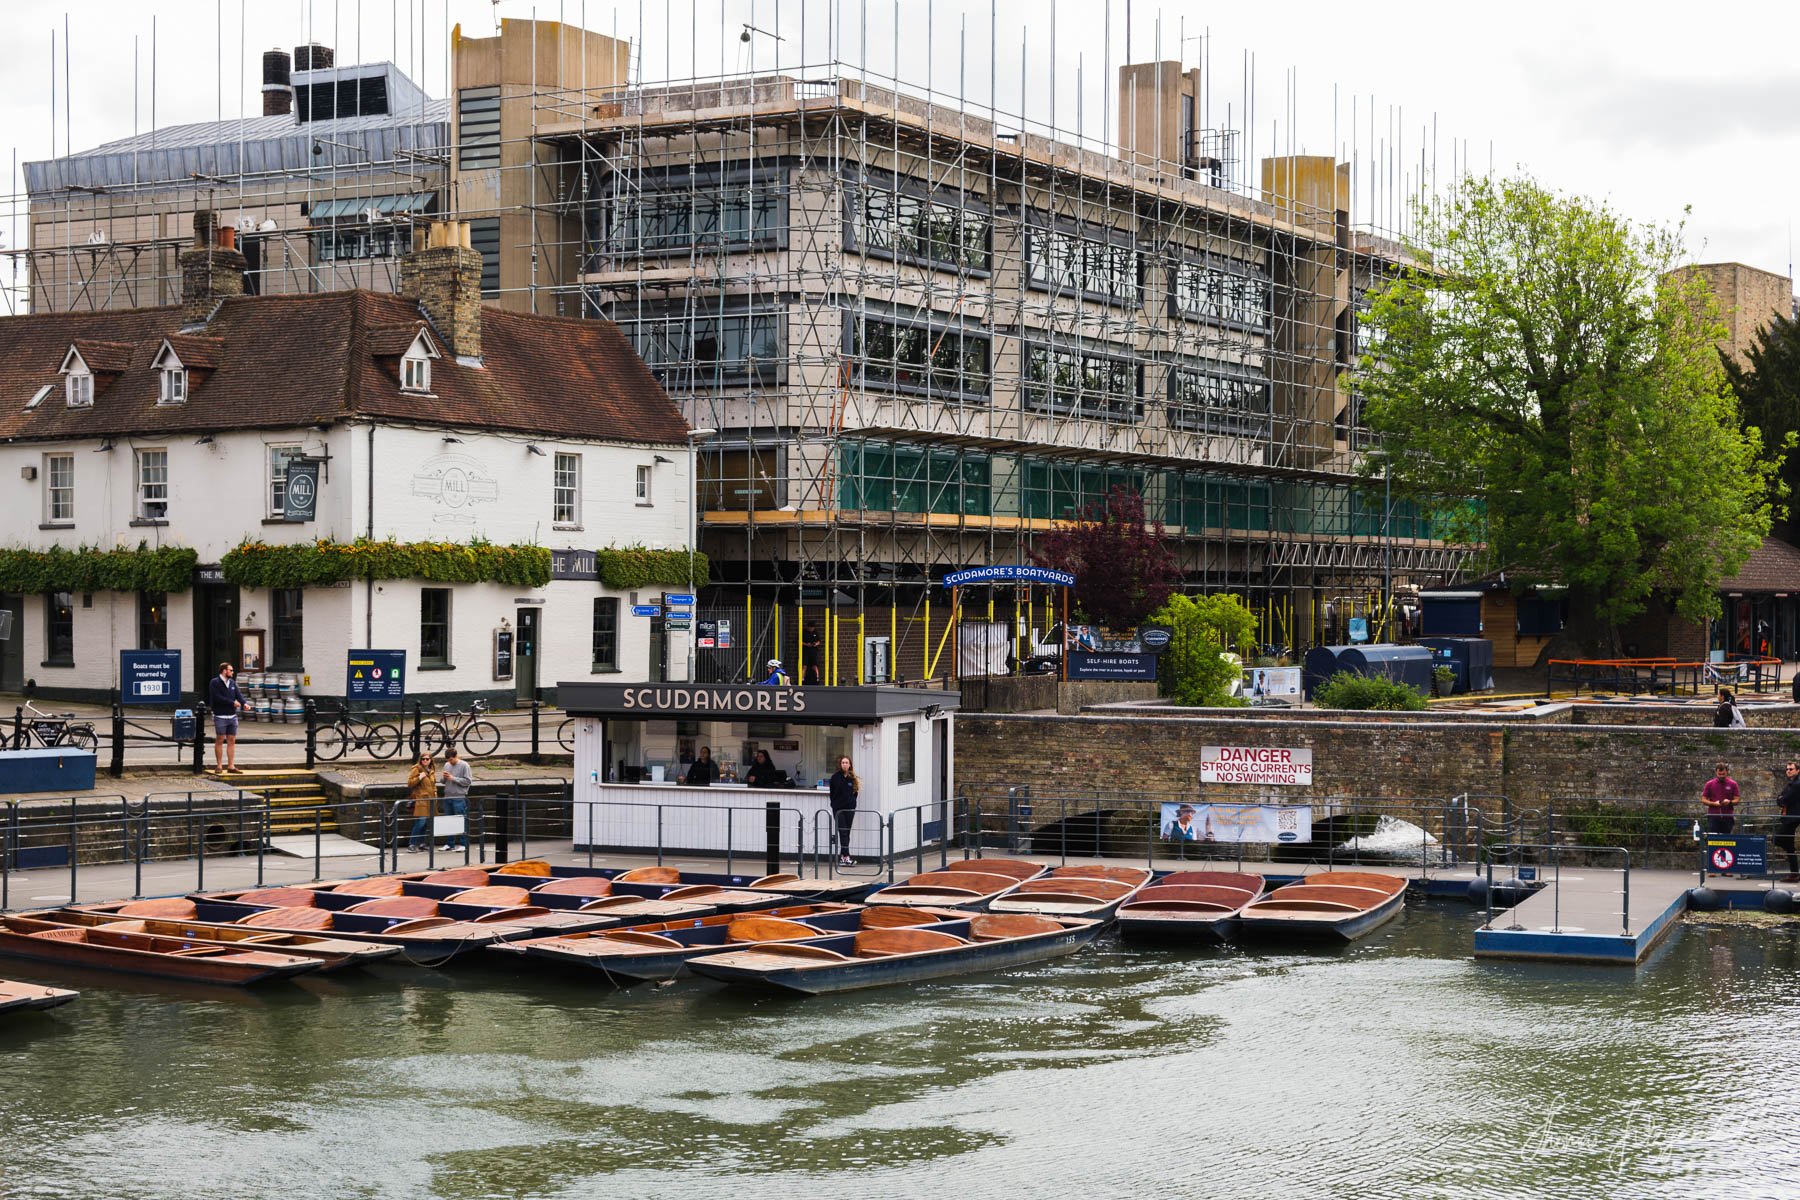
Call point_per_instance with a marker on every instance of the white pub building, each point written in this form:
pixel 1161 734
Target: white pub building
pixel 276 480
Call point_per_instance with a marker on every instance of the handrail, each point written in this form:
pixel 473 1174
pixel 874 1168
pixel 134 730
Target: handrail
pixel 1489 853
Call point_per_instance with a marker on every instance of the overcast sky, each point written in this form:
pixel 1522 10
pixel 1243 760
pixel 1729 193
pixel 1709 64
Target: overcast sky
pixel 1654 107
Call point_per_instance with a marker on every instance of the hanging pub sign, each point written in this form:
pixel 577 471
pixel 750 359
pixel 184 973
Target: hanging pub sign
pixel 300 498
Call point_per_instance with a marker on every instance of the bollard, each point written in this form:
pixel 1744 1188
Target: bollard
pixel 200 715
pixel 311 713
pixel 117 767
pixel 18 733
pixel 534 756
pixel 772 837
pixel 502 829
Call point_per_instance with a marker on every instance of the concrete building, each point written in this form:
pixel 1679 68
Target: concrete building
pixel 432 432
pixel 1748 298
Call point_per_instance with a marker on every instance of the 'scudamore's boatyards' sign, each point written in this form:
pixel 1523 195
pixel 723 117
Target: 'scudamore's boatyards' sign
pixel 1256 764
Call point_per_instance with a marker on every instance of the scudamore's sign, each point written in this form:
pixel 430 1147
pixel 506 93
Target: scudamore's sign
pixel 1255 764
pixel 726 700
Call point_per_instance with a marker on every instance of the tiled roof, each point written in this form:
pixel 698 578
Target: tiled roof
pixel 1773 566
pixel 282 361
pixel 101 355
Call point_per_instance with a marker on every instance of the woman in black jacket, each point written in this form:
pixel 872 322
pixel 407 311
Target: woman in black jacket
pixel 762 772
pixel 844 787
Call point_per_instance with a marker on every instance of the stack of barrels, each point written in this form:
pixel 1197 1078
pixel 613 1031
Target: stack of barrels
pixel 271 696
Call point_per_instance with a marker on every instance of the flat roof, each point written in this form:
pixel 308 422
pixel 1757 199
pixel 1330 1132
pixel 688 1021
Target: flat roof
pixel 816 705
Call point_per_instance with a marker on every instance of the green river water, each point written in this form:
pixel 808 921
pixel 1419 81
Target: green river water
pixel 1399 1067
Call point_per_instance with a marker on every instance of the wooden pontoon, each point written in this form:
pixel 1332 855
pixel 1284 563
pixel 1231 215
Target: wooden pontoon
pixel 18 997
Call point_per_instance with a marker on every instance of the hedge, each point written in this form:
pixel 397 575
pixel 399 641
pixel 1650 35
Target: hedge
pixel 303 564
pixel 636 567
pixel 93 569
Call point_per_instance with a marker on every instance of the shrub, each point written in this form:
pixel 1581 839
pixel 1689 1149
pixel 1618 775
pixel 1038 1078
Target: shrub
pixel 1203 628
pixel 97 569
pixel 1349 690
pixel 303 564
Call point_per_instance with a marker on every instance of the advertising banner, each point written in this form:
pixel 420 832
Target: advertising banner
pixel 1236 823
pixel 1275 683
pixel 1111 666
pixel 1256 764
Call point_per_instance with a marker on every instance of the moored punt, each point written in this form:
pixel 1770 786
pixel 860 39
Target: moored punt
pixel 146 954
pixel 1190 905
pixel 16 997
pixel 1089 890
pixel 178 918
pixel 648 953
pixel 984 942
pixel 1336 905
pixel 369 897
pixel 573 886
pixel 971 883
pixel 425 939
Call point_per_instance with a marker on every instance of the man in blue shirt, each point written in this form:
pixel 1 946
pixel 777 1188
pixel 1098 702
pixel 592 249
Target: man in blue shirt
pixel 223 697
pixel 777 676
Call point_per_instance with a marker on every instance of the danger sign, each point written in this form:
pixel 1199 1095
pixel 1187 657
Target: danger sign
pixel 1256 764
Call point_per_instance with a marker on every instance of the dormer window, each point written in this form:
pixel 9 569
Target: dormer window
pixel 415 364
pixel 171 376
pixel 78 380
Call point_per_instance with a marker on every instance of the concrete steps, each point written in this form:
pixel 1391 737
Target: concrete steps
pixel 292 796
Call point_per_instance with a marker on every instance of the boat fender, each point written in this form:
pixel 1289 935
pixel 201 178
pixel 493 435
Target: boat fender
pixel 1702 899
pixel 1778 900
pixel 1478 889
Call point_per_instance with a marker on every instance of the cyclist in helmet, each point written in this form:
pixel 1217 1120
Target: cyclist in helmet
pixel 777 676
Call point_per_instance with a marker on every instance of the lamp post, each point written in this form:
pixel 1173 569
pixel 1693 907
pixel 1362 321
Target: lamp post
pixel 695 437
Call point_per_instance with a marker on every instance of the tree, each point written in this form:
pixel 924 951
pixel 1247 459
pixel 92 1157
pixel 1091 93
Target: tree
pixel 1193 669
pixel 1768 392
pixel 1544 363
pixel 1122 566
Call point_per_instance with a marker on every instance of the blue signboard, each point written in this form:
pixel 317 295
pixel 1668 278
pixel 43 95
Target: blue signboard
pixel 677 598
pixel 1737 855
pixel 149 676
pixel 1112 666
pixel 1008 574
pixel 376 675
pixel 646 610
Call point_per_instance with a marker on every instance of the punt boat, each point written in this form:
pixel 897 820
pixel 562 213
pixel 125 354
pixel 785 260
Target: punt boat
pixel 572 886
pixel 1335 905
pixel 190 959
pixel 1088 890
pixel 382 896
pixel 873 957
pixel 652 953
pixel 173 918
pixel 431 938
pixel 1199 906
pixel 16 997
pixel 971 883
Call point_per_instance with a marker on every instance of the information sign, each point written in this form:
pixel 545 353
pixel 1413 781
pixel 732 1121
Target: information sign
pixel 503 655
pixel 149 676
pixel 376 675
pixel 646 610
pixel 1737 855
pixel 1111 666
pixel 677 598
pixel 1256 764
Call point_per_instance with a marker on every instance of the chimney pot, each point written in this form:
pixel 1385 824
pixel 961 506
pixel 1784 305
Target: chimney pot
pixel 445 278
pixel 211 270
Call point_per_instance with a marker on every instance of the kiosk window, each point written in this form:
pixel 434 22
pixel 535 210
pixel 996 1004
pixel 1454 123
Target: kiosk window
pixel 904 763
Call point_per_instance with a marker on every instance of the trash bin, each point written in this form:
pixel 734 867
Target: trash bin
pixel 181 725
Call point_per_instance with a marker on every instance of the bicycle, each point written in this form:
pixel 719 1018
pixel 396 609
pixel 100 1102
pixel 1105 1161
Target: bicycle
pixel 565 734
pixel 346 733
pixel 50 730
pixel 479 736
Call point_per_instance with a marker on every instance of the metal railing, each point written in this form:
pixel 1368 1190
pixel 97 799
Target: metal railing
pixel 1556 852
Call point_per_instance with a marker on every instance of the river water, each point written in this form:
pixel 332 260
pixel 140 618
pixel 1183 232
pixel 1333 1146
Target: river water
pixel 1398 1067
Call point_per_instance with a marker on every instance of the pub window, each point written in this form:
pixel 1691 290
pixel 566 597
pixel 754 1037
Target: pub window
pixel 280 457
pixel 434 627
pixel 606 634
pixel 59 489
pixel 565 490
pixel 59 629
pixel 152 485
pixel 906 765
pixel 289 641
pixel 153 621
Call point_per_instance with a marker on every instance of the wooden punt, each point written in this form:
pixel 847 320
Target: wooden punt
pixel 431 940
pixel 351 897
pixel 971 883
pixel 871 958
pixel 190 959
pixel 1199 906
pixel 655 952
pixel 334 954
pixel 648 881
pixel 17 997
pixel 1090 890
pixel 1335 905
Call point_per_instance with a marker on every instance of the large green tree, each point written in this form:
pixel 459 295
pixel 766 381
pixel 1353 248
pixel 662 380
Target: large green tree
pixel 1768 391
pixel 1546 364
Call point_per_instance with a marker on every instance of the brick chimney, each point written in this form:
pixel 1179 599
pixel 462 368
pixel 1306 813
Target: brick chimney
pixel 444 276
pixel 212 269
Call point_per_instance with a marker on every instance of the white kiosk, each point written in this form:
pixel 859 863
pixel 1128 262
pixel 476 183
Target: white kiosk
pixel 636 742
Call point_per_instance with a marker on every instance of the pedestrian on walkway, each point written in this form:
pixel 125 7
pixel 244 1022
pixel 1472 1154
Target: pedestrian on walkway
pixel 844 787
pixel 1789 804
pixel 457 780
pixel 421 785
pixel 1721 797
pixel 1728 715
pixel 226 702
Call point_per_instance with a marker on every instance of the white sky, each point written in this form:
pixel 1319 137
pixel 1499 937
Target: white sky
pixel 1653 106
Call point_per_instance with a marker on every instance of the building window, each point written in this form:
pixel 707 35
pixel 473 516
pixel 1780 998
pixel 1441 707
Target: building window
pixel 1065 261
pixel 891 477
pixel 1215 398
pixel 1224 296
pixel 152 485
pixel 706 349
pixel 1061 490
pixel 948 363
pixel 290 646
pixel 280 457
pixel 415 373
pixel 676 210
pixel 172 385
pixel 434 627
pixel 606 634
pixel 59 489
pixel 59 629
pixel 912 227
pixel 484 238
pixel 79 386
pixel 153 621
pixel 478 128
pixel 907 764
pixel 357 240
pixel 565 490
pixel 643 485
pixel 1070 381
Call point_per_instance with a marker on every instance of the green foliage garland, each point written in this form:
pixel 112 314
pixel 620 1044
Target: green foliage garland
pixel 629 567
pixel 93 569
pixel 303 564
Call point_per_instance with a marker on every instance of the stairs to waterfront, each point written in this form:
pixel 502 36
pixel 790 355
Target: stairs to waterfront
pixel 292 797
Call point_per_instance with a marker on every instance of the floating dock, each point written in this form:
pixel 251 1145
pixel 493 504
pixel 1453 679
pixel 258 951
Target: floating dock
pixel 1584 916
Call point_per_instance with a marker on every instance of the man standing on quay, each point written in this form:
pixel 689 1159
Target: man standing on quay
pixel 223 697
pixel 1720 796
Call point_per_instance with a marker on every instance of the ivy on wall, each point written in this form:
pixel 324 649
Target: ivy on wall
pixel 629 567
pixel 303 564
pixel 96 569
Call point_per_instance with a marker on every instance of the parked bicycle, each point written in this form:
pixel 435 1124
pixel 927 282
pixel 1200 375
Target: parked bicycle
pixel 479 736
pixel 346 732
pixel 565 734
pixel 54 729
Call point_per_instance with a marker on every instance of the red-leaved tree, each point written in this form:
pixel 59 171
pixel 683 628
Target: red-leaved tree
pixel 1122 565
